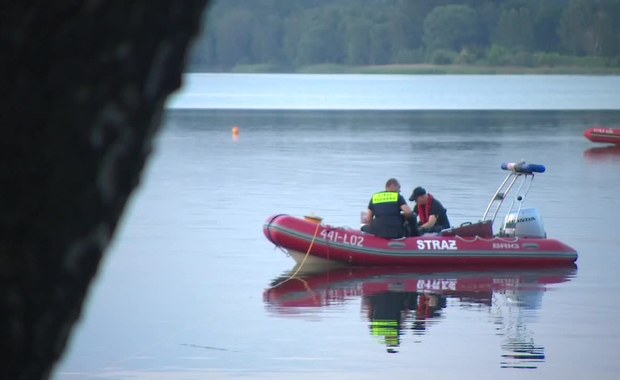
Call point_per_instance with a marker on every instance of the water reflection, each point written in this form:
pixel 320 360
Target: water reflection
pixel 603 153
pixel 402 304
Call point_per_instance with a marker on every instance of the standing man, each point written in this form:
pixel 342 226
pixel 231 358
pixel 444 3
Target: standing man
pixel 433 216
pixel 384 216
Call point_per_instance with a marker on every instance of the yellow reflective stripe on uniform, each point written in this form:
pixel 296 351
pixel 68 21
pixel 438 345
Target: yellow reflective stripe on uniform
pixel 384 327
pixel 385 197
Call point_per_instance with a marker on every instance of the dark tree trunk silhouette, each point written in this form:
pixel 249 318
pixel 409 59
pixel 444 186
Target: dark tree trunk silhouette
pixel 83 88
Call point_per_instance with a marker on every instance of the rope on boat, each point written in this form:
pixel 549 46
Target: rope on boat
pixel 316 231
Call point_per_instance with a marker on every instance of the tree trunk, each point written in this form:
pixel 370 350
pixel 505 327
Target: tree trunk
pixel 84 85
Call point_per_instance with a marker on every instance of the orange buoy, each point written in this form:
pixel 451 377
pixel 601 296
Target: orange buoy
pixel 235 131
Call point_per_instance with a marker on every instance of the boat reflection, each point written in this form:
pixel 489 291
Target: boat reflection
pixel 406 301
pixel 603 153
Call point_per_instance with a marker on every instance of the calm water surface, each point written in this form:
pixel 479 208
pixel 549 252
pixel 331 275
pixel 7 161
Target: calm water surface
pixel 398 92
pixel 187 290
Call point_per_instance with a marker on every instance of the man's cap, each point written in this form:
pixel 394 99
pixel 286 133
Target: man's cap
pixel 418 191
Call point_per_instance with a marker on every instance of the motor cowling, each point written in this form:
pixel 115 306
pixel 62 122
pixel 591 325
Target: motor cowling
pixel 525 223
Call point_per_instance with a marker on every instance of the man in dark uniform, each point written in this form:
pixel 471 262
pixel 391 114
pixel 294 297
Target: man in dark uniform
pixel 433 216
pixel 384 216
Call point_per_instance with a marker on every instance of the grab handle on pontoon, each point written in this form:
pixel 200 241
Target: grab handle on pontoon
pixel 522 167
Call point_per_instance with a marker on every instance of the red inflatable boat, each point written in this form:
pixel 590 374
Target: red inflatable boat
pixel 520 240
pixel 603 135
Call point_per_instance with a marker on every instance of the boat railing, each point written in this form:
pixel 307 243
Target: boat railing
pixel 520 176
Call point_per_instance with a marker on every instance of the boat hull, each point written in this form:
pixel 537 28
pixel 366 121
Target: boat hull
pixel 322 243
pixel 603 135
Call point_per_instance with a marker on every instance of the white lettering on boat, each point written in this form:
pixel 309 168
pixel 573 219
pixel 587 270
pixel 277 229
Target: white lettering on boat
pixel 506 281
pixel 344 294
pixel 344 238
pixel 513 223
pixel 437 284
pixel 603 130
pixel 505 246
pixel 437 244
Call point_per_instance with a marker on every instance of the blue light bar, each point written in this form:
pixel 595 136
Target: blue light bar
pixel 522 167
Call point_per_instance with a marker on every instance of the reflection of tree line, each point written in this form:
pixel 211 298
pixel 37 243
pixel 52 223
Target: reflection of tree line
pixel 392 313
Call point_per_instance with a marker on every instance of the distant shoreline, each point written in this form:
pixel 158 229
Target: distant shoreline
pixel 426 69
pixel 486 70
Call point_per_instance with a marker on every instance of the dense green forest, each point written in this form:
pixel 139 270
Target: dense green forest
pixel 290 35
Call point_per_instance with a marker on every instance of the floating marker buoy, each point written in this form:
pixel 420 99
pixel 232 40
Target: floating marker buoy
pixel 235 131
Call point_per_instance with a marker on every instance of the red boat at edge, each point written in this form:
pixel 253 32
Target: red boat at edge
pixel 603 135
pixel 520 241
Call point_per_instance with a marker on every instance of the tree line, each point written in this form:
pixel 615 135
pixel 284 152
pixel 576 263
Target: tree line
pixel 284 35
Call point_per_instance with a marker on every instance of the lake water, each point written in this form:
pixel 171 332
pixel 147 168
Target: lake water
pixel 186 290
pixel 398 92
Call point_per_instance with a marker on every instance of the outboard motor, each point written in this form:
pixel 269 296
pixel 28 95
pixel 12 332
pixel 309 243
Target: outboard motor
pixel 526 223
